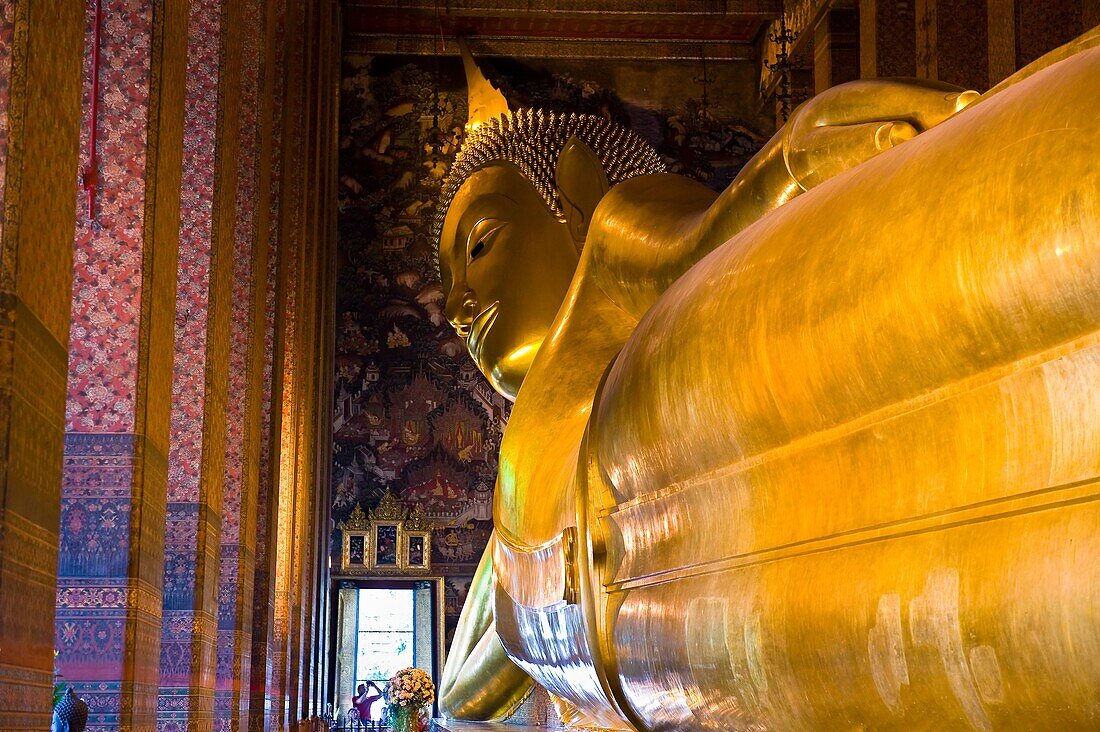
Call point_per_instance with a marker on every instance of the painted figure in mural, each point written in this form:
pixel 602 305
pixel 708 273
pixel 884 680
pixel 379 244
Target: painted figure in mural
pixel 818 452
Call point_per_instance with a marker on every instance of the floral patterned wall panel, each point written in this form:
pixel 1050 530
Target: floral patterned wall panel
pixel 411 414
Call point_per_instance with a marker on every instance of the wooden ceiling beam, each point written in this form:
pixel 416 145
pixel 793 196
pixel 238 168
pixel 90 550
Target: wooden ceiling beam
pixel 554 48
pixel 657 29
pixel 769 8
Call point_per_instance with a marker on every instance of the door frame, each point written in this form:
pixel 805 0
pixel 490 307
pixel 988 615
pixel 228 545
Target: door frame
pixel 340 582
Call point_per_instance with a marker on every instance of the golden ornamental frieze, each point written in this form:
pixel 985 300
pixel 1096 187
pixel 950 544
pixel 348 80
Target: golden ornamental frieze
pixel 387 540
pixel 388 509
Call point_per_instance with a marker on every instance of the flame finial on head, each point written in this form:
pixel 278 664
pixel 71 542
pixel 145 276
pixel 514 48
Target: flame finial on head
pixel 485 100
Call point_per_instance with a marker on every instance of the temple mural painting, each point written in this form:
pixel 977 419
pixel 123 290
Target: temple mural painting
pixel 411 413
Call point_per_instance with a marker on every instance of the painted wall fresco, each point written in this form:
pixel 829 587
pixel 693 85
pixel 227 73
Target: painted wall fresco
pixel 411 413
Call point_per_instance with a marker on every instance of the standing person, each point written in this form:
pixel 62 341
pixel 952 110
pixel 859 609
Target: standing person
pixel 362 701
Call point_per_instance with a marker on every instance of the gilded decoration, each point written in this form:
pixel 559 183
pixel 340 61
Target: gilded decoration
pixel 357 521
pixel 388 509
pixel 386 540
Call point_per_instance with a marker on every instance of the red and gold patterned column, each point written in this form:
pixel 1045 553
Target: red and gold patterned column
pixel 294 157
pixel 288 334
pixel 836 48
pixel 120 359
pixel 39 134
pixel 316 341
pixel 301 584
pixel 263 702
pixel 196 460
pixel 887 38
pixel 249 375
pixel 305 245
pixel 323 274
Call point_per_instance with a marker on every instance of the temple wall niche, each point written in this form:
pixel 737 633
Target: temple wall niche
pixel 411 413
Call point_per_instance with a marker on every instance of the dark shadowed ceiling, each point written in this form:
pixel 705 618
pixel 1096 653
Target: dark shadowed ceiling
pixel 613 29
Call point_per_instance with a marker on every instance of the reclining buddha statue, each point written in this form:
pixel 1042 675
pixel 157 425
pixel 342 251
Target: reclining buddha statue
pixel 819 452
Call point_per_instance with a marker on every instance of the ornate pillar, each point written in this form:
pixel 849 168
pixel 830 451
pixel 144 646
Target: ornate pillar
pixel 1001 39
pixel 301 668
pixel 836 48
pixel 289 569
pixel 326 278
pixel 887 32
pixel 956 31
pixel 263 700
pixel 286 529
pixel 196 459
pixel 248 379
pixel 283 632
pixel 115 471
pixel 297 630
pixel 315 341
pixel 40 52
pixel 926 27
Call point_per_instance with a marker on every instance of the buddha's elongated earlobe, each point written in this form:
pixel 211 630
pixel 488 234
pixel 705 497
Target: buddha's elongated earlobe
pixel 581 183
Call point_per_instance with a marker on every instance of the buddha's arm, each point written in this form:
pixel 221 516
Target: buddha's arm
pixel 649 230
pixel 479 680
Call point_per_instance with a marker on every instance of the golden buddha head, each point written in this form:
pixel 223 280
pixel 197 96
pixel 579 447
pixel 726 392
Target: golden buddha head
pixel 511 223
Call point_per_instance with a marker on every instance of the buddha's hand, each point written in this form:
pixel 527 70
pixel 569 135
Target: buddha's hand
pixel 850 123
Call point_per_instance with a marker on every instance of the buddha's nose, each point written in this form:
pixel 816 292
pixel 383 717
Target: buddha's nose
pixel 462 307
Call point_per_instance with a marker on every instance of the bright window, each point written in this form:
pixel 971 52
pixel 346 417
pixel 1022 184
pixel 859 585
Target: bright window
pixel 385 634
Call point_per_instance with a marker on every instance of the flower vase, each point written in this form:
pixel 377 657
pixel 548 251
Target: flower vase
pixel 408 719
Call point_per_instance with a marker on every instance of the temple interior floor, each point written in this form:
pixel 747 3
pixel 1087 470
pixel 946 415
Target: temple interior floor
pixel 444 725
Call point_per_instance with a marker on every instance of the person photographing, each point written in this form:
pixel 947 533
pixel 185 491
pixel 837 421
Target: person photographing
pixel 363 700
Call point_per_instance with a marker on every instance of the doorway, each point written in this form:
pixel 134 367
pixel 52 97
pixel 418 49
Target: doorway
pixel 383 626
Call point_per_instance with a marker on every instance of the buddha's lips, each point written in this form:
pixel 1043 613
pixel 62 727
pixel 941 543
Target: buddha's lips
pixel 479 328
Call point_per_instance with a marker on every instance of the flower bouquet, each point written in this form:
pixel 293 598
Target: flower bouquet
pixel 407 694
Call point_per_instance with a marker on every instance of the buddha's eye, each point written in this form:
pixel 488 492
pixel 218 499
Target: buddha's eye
pixel 482 237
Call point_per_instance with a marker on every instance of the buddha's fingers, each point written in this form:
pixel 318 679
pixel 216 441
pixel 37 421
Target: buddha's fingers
pixel 848 124
pixel 824 152
pixel 487 686
pixel 921 103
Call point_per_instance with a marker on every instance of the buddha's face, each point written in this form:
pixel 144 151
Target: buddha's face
pixel 506 264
